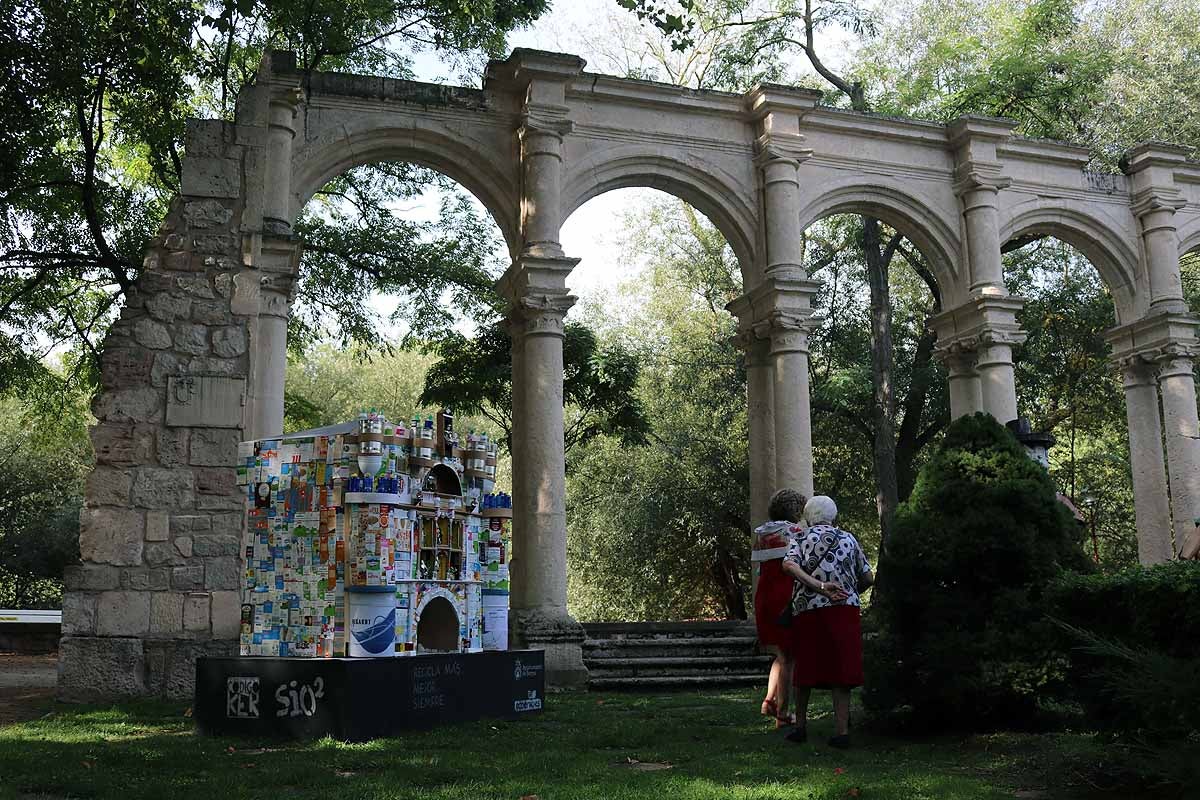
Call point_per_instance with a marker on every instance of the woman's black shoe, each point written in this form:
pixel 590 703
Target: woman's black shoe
pixel 840 742
pixel 799 735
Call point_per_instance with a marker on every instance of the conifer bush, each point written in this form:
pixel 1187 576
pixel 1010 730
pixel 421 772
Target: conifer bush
pixel 958 635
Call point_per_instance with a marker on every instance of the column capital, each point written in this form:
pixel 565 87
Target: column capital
pixel 1157 198
pixel 986 320
pixel 974 140
pixel 788 331
pixel 546 122
pixel 782 288
pixel 771 149
pixel 1155 336
pixel 958 356
pixel 540 314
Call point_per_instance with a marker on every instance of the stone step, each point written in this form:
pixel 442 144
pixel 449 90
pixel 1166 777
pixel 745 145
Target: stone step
pixel 669 647
pixel 661 630
pixel 676 682
pixel 679 667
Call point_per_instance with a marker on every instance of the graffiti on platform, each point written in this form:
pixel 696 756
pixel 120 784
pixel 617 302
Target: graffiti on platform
pixel 297 699
pixel 241 698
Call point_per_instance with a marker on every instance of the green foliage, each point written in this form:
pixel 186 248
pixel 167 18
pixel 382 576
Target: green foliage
pixel 475 376
pixel 1152 611
pixel 44 457
pixel 92 112
pixel 961 638
pixel 1151 699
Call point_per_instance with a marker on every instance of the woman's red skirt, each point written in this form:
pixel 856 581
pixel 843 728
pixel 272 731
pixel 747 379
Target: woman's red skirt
pixel 772 596
pixel 827 648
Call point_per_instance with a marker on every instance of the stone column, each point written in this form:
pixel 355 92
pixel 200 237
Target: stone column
pixel 788 335
pixel 1152 512
pixel 997 379
pixel 979 177
pixel 281 130
pixel 1177 385
pixel 538 570
pixel 760 402
pixel 1151 168
pixel 966 394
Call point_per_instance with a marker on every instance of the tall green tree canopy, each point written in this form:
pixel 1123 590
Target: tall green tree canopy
pixel 92 112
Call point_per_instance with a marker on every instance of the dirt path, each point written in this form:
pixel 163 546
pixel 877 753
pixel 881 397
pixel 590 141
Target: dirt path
pixel 26 686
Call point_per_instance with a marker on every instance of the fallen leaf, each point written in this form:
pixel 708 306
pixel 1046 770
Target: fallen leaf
pixel 230 750
pixel 187 712
pixel 86 764
pixel 839 771
pixel 853 791
pixel 530 797
pixel 343 773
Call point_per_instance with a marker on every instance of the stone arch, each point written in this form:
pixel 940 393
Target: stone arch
pixel 916 218
pixel 457 157
pixel 1189 236
pixel 1112 257
pixel 708 188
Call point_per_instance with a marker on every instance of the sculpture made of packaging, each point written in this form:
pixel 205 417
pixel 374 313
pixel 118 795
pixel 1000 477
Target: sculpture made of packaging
pixel 371 538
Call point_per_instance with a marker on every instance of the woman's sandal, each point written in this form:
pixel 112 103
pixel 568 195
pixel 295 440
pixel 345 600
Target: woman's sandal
pixel 785 721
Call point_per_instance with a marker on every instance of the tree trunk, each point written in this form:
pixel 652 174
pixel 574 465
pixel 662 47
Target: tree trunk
pixel 908 441
pixel 725 575
pixel 883 403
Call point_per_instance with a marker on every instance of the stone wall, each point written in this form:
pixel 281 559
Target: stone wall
pixel 160 534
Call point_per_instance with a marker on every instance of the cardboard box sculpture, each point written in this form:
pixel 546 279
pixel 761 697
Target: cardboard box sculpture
pixel 373 538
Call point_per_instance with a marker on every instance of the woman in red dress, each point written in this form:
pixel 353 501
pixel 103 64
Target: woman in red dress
pixel 774 594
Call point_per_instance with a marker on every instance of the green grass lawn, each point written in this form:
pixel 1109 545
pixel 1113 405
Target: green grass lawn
pixel 709 744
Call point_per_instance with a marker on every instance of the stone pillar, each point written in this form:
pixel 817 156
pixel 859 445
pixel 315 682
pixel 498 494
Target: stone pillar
pixel 1177 385
pixel 979 177
pixel 790 389
pixel 976 341
pixel 760 402
pixel 277 189
pixel 535 286
pixel 278 262
pixel 966 394
pixel 1151 168
pixel 997 379
pixel 1152 512
pixel 538 569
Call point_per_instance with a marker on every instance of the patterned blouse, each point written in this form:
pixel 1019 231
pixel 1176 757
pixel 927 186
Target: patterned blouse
pixel 844 562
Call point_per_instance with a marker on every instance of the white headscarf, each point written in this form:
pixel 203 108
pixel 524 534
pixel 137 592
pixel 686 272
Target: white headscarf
pixel 820 510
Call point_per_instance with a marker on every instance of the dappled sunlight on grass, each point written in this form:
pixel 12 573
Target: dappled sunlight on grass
pixel 682 746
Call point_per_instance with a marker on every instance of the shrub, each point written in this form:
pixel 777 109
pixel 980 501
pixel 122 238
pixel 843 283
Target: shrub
pixel 1126 633
pixel 959 637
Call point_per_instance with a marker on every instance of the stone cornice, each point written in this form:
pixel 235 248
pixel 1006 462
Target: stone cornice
pixel 524 65
pixel 1154 154
pixel 972 128
pixel 1151 338
pixel 1157 198
pixel 765 99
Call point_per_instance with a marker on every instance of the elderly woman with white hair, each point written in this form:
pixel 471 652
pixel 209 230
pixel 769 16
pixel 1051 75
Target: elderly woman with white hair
pixel 831 570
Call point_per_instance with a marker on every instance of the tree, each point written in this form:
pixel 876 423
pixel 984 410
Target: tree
pixel 92 114
pixel 657 528
pixel 43 461
pixel 475 376
pixel 960 639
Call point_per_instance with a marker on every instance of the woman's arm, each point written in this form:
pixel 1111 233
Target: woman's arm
pixel 830 589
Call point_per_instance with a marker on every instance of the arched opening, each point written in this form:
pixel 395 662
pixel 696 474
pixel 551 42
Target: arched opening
pixel 438 628
pixel 1066 383
pixel 876 409
pixel 396 270
pixel 647 539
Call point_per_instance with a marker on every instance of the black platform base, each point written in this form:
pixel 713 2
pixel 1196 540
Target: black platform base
pixel 357 699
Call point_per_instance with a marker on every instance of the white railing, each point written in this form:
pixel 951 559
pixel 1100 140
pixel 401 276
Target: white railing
pixel 31 616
